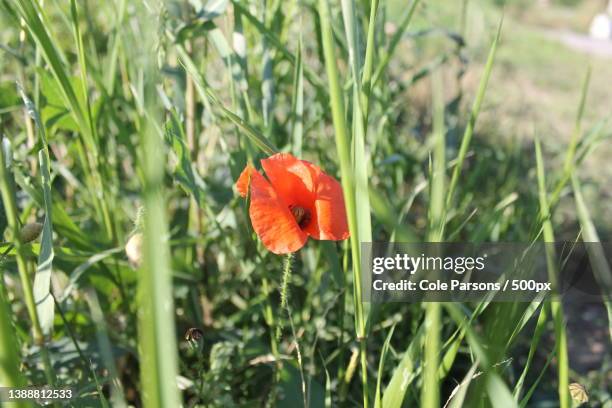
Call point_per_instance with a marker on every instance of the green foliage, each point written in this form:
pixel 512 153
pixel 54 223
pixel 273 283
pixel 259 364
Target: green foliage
pixel 148 114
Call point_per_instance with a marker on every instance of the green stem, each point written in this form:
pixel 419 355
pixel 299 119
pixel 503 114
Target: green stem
pixel 366 78
pixel 9 353
pixel 12 215
pixel 431 387
pixel 342 146
pixel 156 314
pixel 286 280
pixel 553 272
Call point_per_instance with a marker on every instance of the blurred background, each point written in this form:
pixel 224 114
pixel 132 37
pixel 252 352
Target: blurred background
pixel 547 47
pixel 242 57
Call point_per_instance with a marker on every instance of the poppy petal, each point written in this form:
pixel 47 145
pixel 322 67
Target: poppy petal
pixel 242 185
pixel 293 179
pixel 330 210
pixel 271 218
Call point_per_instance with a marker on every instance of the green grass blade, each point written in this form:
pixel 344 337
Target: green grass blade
pixel 381 366
pixel 469 129
pixel 498 392
pixel 430 392
pixel 42 280
pixel 393 43
pixel 571 151
pixel 155 300
pixel 12 217
pixel 555 305
pixel 328 393
pixel 31 14
pixel 104 343
pixel 10 376
pixel 36 22
pixel 346 170
pixel 570 156
pixel 204 90
pixel 273 40
pixel 601 268
pixel 460 392
pixel 297 104
pixel 533 346
pixel 114 45
pixel 535 384
pixel 405 372
pixel 368 63
pixel 267 80
pixel 45 307
pixel 360 159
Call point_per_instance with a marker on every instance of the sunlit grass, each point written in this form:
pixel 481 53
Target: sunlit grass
pixel 138 121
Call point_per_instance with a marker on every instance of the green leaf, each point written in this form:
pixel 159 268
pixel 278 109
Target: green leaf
pixel 555 305
pixel 469 129
pixel 381 366
pixel 106 349
pixel 45 306
pixel 596 253
pixel 184 170
pixel 10 376
pixel 204 90
pixel 459 393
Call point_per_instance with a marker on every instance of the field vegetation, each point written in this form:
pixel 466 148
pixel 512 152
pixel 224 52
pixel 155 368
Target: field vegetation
pixel 130 267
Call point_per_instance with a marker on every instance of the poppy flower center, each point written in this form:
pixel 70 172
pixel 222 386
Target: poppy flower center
pixel 301 215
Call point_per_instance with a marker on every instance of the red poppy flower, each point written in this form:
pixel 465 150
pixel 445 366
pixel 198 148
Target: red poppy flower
pixel 297 200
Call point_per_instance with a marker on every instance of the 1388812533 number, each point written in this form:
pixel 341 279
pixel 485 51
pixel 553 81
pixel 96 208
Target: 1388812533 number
pixel 39 394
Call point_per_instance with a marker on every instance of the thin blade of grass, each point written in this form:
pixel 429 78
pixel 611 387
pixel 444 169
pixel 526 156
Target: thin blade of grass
pixel 35 20
pixel 570 156
pixel 205 92
pixel 381 366
pixel 82 268
pixel 498 392
pixel 536 383
pixel 393 43
pixel 42 280
pixel 360 159
pixel 156 326
pixel 31 14
pixel 555 305
pixel 596 253
pixel 533 346
pixel 10 376
pixel 297 104
pixel 273 40
pixel 368 64
pixel 460 392
pixel 97 315
pixel 267 80
pixel 469 129
pixel 346 170
pixel 430 392
pixel 405 372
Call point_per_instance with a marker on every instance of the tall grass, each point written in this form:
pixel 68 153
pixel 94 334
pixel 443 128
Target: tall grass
pixel 143 116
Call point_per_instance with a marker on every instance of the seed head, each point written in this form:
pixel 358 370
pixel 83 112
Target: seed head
pixel 133 250
pixel 30 232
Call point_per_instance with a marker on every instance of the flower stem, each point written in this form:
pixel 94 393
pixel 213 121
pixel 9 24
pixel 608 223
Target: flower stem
pixel 286 279
pixel 284 291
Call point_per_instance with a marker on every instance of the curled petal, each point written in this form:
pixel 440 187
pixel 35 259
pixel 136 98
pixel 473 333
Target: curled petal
pixel 242 185
pixel 271 218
